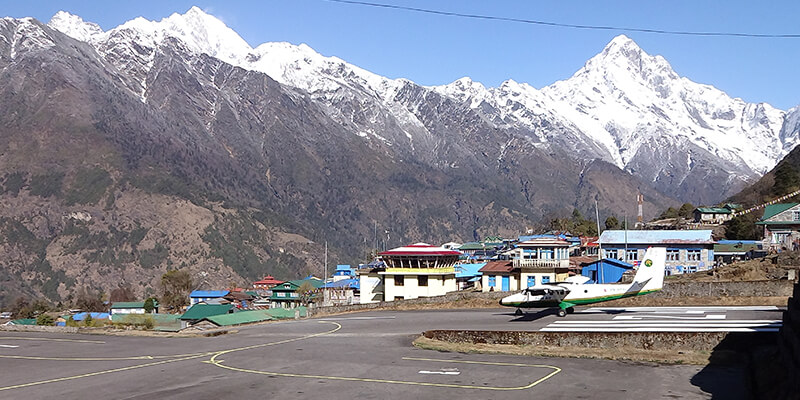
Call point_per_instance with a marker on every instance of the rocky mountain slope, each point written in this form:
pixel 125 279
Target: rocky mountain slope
pixel 174 144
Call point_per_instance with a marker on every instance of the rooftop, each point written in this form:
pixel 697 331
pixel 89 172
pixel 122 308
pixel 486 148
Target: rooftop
pixel 208 293
pixel 200 311
pixel 420 249
pixel 656 237
pixel 126 304
pixel 497 266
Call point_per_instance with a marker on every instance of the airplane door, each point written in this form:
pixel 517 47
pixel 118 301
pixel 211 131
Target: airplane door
pixel 506 283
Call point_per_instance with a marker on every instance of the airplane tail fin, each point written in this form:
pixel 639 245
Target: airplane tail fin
pixel 650 275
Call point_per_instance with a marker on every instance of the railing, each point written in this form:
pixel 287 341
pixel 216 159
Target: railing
pixel 538 263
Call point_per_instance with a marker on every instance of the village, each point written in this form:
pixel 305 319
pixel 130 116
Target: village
pixel 423 270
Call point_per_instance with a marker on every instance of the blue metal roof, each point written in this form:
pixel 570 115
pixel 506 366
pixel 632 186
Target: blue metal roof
pixel 656 237
pixel 468 270
pixel 525 238
pixel 95 315
pixel 726 241
pixel 351 283
pixel 208 293
pixel 344 267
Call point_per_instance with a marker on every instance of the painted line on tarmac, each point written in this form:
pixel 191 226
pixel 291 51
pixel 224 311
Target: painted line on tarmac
pixel 51 339
pixel 354 318
pixel 170 360
pixel 9 346
pixel 679 322
pixel 654 329
pixel 682 310
pixel 108 371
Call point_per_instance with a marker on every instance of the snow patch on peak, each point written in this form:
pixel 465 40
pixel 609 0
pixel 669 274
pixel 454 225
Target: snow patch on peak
pixel 75 27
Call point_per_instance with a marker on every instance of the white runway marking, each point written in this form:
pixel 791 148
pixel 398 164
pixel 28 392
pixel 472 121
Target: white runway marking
pixel 442 372
pixel 710 316
pixel 668 319
pixel 8 346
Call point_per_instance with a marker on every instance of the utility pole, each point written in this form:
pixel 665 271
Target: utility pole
pixel 597 218
pixel 325 277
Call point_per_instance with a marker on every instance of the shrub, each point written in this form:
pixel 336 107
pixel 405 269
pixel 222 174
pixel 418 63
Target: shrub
pixel 45 319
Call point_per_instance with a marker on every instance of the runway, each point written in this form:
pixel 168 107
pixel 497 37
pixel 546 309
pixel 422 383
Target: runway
pixel 363 355
pixel 669 319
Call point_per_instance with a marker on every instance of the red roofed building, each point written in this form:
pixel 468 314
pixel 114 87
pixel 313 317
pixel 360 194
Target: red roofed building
pixel 418 270
pixel 535 261
pixel 267 283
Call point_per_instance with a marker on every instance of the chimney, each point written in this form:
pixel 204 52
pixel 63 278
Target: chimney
pixel 639 216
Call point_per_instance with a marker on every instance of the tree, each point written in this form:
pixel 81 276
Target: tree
pixel 150 305
pixel 612 223
pixel 90 301
pixel 305 292
pixel 175 288
pixel 669 213
pixel 45 319
pixel 686 211
pixel 742 227
pixel 21 308
pixel 122 293
pixel 787 179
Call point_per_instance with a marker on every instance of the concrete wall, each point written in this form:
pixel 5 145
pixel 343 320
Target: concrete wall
pixel 724 289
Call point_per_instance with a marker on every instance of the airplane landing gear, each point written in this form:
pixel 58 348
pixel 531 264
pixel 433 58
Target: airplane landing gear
pixel 570 310
pixel 562 312
pixel 518 312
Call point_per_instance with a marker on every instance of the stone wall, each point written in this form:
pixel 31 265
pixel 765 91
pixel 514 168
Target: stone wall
pixel 38 328
pixel 789 349
pixel 604 340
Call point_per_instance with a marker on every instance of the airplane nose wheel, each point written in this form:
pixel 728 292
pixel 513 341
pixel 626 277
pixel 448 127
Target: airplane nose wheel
pixel 518 312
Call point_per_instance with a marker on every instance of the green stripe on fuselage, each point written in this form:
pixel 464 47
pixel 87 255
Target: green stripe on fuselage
pixel 591 300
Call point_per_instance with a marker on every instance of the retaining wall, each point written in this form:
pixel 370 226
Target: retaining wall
pixel 38 328
pixel 603 340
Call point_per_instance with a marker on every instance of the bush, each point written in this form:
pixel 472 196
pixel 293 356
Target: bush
pixel 45 319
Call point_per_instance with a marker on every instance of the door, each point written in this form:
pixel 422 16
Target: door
pixel 531 281
pixel 506 283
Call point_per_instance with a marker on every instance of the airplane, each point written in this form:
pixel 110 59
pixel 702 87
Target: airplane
pixel 566 295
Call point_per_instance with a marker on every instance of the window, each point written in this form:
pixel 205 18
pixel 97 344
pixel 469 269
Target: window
pixel 611 254
pixel 673 255
pixel 280 294
pixel 690 269
pixel 633 255
pixel 293 294
pixel 545 279
pixel 422 280
pixel 531 281
pixel 492 281
pixel 795 215
pixel 693 255
pixel 398 280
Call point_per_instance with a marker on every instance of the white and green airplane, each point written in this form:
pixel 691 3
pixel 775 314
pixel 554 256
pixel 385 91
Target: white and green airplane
pixel 566 295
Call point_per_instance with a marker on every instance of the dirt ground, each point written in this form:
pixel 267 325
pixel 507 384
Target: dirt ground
pixel 696 357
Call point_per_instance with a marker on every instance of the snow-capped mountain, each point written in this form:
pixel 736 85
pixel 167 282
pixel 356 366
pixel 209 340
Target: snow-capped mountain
pixel 624 106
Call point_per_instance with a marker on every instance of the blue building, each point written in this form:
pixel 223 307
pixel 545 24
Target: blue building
pixel 607 270
pixel 687 251
pixel 198 296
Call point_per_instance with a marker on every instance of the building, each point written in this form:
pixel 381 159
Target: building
pixel 198 312
pixel 370 282
pixel 728 251
pixel 687 250
pixel 714 215
pixel 468 276
pixel 418 270
pixel 128 307
pixel 286 295
pixel 267 283
pixel 206 296
pixel 499 275
pixel 343 272
pixel 605 271
pixel 341 292
pixel 781 223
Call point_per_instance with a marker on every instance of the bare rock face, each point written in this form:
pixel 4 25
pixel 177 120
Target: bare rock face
pixel 173 144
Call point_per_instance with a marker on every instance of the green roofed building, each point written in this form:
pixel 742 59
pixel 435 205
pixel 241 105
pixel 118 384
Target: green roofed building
pixel 239 318
pixel 781 223
pixel 715 215
pixel 198 312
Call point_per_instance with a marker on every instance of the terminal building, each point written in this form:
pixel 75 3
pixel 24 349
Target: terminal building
pixel 409 272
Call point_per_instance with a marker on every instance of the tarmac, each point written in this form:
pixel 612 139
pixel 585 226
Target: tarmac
pixel 364 355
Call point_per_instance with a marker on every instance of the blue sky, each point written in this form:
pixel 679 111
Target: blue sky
pixel 432 50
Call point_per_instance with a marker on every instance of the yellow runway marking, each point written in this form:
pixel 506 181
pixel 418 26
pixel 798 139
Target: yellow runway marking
pixel 109 371
pixel 172 358
pixel 51 339
pixel 556 370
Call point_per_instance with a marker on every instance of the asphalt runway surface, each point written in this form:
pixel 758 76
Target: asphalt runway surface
pixel 354 356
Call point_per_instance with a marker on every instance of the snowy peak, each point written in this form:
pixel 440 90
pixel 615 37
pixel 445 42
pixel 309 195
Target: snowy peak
pixel 75 27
